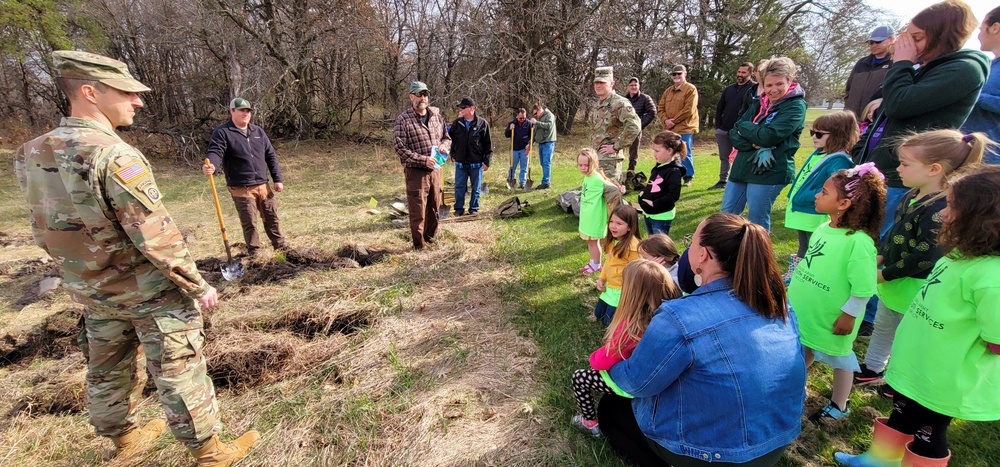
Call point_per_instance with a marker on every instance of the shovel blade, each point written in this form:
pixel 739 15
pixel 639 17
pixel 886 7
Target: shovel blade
pixel 232 270
pixel 529 183
pixel 485 189
pixel 444 212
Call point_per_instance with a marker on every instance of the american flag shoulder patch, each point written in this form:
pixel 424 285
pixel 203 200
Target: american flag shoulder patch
pixel 131 172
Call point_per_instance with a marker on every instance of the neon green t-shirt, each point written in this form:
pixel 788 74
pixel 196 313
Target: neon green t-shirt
pixel 897 294
pixel 611 296
pixel 593 211
pixel 835 267
pixel 800 220
pixel 939 357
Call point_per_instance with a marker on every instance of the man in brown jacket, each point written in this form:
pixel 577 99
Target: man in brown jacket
pixel 678 111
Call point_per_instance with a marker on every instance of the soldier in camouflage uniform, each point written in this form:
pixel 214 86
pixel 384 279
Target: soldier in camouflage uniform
pixel 614 124
pixel 97 211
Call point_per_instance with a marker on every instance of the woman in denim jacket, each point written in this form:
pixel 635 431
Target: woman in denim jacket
pixel 719 376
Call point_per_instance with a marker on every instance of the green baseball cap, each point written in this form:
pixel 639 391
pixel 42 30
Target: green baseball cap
pixel 85 65
pixel 239 104
pixel 418 86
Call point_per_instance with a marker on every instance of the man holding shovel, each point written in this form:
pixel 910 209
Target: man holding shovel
pixel 471 149
pixel 519 130
pixel 97 211
pixel 544 125
pixel 247 157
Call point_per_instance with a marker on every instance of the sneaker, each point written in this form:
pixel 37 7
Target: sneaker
pixel 867 377
pixel 590 426
pixel 887 391
pixel 459 213
pixel 831 411
pixel 543 186
pixel 588 269
pixel 687 181
pixel 718 186
pixel 473 213
pixel 520 186
pixel 866 329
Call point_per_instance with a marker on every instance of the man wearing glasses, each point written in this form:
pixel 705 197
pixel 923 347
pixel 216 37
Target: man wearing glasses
pixel 866 77
pixel 418 132
pixel 247 158
pixel 678 111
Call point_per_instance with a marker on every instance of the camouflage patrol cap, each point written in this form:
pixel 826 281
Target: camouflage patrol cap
pixel 604 74
pixel 85 65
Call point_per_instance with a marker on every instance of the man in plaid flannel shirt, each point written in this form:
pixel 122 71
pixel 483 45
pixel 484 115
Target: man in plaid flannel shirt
pixel 417 130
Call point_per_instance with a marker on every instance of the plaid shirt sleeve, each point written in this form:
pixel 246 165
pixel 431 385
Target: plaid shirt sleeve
pixel 412 146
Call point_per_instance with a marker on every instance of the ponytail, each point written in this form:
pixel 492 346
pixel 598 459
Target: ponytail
pixel 743 250
pixel 756 280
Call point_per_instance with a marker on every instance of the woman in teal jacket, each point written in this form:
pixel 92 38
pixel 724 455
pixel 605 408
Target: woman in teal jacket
pixel 766 138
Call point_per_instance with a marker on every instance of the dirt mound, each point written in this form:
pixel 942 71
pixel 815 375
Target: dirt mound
pixel 59 389
pixel 54 338
pixel 17 268
pixel 295 261
pixel 364 255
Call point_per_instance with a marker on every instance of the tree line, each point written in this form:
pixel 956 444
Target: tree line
pixel 319 68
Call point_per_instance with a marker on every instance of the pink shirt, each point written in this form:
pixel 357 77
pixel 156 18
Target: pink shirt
pixel 604 358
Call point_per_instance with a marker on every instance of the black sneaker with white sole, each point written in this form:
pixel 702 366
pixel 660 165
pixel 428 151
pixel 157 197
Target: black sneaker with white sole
pixel 867 377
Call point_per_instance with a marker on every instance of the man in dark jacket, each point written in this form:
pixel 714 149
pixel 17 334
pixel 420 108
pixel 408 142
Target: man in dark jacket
pixel 726 114
pixel 247 157
pixel 471 149
pixel 646 110
pixel 519 129
pixel 868 73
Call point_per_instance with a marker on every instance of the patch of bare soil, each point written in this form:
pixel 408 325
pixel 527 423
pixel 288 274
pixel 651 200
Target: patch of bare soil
pixel 54 338
pixel 309 323
pixel 296 261
pixel 7 240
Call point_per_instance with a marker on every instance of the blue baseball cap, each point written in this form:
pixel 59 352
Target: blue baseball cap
pixel 881 33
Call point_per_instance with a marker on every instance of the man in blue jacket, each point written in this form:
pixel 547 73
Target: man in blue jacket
pixel 247 157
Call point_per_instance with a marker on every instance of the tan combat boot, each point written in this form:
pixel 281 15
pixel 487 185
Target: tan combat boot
pixel 138 439
pixel 216 454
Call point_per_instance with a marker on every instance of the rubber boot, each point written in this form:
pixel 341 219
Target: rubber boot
pixel 216 454
pixel 912 460
pixel 886 450
pixel 138 439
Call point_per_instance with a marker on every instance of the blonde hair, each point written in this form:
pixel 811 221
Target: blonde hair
pixel 874 104
pixel 645 285
pixel 591 156
pixel 950 148
pixel 780 66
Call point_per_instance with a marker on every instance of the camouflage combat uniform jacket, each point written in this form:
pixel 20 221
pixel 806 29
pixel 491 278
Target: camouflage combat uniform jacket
pixel 614 122
pixel 97 211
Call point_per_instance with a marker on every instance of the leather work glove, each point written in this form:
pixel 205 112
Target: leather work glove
pixel 763 160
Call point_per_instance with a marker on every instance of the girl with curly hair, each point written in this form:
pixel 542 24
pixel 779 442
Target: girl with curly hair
pixel 836 276
pixel 945 358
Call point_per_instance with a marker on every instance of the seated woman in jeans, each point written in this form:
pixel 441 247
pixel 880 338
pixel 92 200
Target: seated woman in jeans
pixel 719 376
pixel 774 123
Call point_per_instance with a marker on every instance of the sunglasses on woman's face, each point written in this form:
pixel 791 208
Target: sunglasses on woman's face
pixel 818 133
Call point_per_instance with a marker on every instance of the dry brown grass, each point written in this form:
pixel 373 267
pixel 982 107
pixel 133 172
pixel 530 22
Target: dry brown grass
pixel 412 360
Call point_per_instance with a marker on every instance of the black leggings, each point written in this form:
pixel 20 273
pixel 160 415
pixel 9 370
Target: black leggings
pixel 618 425
pixel 585 382
pixel 929 428
pixel 803 242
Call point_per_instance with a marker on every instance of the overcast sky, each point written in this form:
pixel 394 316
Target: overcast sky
pixel 906 9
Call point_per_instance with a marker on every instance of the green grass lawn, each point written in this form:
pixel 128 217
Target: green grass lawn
pixel 555 302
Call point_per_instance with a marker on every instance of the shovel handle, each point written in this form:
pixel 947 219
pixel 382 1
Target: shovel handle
pixel 218 211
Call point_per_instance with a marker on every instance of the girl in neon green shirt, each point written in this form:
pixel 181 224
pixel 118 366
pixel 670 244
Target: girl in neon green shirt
pixel 945 360
pixel 836 277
